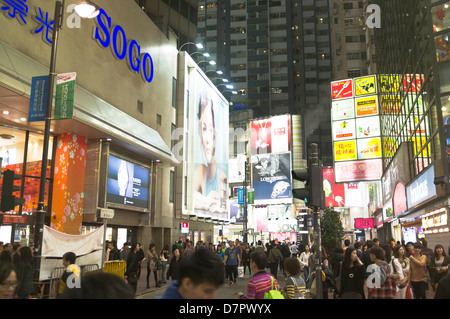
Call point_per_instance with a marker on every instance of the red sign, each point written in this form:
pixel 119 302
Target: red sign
pixel 399 199
pixel 342 89
pixel 334 193
pixel 363 223
pixel 14 219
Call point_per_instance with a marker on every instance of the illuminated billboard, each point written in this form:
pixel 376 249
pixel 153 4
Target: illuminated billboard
pixel 271 135
pixel 209 148
pixel 356 130
pixel 271 160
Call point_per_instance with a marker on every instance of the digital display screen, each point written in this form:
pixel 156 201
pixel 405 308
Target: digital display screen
pixel 128 184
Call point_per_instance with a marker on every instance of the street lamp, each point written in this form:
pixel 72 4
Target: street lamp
pixel 198 45
pixel 87 8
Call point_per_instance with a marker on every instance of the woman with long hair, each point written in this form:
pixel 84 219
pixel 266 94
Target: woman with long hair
pixel 438 265
pixel 24 287
pixel 352 276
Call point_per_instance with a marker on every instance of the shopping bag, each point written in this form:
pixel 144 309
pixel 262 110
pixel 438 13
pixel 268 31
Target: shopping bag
pixel 273 293
pixel 241 272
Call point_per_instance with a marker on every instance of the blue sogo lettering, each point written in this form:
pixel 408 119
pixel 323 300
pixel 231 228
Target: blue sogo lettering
pixel 121 47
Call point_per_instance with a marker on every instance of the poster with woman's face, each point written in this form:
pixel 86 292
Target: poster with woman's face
pixel 211 132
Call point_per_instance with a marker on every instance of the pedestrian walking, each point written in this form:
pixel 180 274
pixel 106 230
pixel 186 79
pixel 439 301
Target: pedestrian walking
pixel 164 256
pixel 153 264
pixel 402 267
pixel 172 272
pixel 384 286
pixel 304 261
pixel 275 258
pixel 295 287
pixel 352 276
pixel 24 287
pixel 439 265
pixel 200 276
pixel 72 271
pixel 132 266
pixel 246 258
pixel 418 277
pixel 261 281
pixel 232 260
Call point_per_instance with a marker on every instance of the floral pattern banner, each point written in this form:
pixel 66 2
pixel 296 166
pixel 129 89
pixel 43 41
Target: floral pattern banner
pixel 68 186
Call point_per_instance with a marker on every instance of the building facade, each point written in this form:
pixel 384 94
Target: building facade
pixel 413 67
pixel 123 115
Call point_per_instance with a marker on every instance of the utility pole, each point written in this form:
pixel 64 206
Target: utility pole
pixel 315 179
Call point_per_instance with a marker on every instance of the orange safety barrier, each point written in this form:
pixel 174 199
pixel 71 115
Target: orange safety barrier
pixel 116 267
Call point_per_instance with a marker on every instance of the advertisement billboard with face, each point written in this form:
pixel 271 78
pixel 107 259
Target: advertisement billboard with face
pixel 209 117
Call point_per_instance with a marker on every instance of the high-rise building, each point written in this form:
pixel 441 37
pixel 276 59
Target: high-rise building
pixel 413 66
pixel 312 72
pixel 178 15
pixel 351 39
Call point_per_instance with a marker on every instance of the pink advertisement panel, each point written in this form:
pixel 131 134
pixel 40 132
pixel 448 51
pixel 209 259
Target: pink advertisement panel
pixel 354 171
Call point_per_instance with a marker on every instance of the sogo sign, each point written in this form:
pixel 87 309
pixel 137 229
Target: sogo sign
pixel 114 37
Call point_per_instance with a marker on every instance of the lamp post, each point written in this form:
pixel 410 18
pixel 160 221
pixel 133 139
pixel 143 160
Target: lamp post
pixel 198 45
pixel 40 210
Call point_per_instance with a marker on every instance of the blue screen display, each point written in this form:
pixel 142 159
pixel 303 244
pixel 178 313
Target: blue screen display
pixel 128 184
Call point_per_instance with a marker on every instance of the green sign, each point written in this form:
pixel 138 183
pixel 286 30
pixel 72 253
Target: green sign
pixel 251 197
pixel 65 91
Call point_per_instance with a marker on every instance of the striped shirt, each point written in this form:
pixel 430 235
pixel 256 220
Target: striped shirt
pixel 259 284
pixel 295 288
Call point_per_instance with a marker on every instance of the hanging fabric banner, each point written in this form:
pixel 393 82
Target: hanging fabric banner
pixel 65 91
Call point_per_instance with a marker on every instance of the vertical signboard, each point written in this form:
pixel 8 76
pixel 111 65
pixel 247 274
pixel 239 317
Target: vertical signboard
pixel 271 160
pixel 38 98
pixel 356 130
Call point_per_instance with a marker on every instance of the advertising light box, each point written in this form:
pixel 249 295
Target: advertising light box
pixel 369 148
pixel 366 106
pixel 342 89
pixel 344 130
pixel 368 127
pixel 343 109
pixel 364 223
pixel 345 150
pixel 365 85
pixel 353 171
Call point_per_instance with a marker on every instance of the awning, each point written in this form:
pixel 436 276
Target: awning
pixel 92 117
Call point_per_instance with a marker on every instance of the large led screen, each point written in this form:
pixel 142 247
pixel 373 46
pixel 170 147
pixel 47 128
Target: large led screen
pixel 128 184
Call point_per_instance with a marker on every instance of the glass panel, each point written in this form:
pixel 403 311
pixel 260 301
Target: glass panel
pixel 34 158
pixel 441 17
pixel 442 44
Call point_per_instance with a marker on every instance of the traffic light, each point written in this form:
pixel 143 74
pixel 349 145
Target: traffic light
pixel 304 194
pixel 8 200
pixel 317 193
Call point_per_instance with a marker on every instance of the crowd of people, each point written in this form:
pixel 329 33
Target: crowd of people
pixel 362 270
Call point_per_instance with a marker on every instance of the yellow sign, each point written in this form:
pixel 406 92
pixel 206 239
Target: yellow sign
pixel 390 146
pixel 369 148
pixel 389 83
pixel 345 150
pixel 365 85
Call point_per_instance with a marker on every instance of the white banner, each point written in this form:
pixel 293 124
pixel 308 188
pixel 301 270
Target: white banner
pixel 88 249
pixel 56 244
